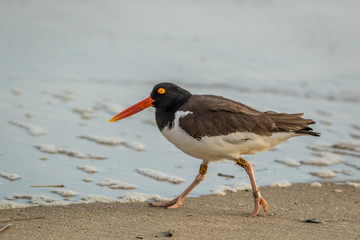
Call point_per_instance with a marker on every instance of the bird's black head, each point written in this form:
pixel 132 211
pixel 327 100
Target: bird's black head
pixel 168 96
pixel 165 97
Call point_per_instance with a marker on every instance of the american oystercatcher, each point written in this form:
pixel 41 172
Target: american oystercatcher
pixel 214 128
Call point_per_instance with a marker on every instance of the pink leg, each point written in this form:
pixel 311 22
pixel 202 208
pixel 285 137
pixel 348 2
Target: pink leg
pixel 176 202
pixel 258 200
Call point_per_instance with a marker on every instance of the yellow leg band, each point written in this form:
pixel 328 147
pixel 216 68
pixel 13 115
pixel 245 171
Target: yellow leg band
pixel 203 169
pixel 242 162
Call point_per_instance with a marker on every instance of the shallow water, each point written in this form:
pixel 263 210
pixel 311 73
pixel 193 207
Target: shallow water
pixel 59 69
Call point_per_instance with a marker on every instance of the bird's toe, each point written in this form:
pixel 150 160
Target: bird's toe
pixel 258 203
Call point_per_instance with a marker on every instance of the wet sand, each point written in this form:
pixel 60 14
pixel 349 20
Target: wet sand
pixel 206 217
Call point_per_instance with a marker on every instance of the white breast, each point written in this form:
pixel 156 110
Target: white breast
pixel 217 148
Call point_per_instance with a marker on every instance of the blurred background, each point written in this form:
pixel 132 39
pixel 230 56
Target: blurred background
pixel 67 67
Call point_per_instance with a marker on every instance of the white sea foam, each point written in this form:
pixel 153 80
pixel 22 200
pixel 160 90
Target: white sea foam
pixel 325 159
pixel 35 199
pixel 350 145
pixel 10 176
pixel 221 190
pixel 64 96
pixel 14 196
pixel 281 184
pixel 150 122
pixel 111 107
pixel 327 123
pixel 289 161
pixel 140 197
pixel 324 173
pixel 115 141
pixel 346 148
pixel 46 201
pixel 5 204
pixel 134 145
pixel 353 184
pixel 33 130
pixel 103 140
pixel 323 112
pixel 116 184
pixel 355 134
pixel 316 184
pixel 356 126
pixel 87 169
pixel 85 113
pixel 354 165
pixel 345 172
pixel 66 193
pixel 48 148
pixel 98 198
pixel 158 175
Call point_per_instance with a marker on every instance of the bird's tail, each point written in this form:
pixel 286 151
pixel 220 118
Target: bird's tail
pixel 292 123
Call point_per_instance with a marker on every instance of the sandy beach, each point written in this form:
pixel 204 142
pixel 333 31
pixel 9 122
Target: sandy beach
pixel 69 66
pixel 206 217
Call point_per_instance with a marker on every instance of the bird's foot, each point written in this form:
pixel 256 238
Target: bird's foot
pixel 175 203
pixel 260 201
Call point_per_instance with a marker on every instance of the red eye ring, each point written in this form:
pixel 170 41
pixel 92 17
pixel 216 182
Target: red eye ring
pixel 161 90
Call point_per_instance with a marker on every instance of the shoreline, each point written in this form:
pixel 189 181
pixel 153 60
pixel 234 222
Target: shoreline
pixel 206 217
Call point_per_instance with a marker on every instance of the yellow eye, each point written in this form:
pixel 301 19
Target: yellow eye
pixel 161 91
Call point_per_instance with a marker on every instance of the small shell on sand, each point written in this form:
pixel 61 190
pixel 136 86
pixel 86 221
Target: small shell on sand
pixel 290 162
pixel 316 184
pixel 114 141
pixel 33 130
pixel 48 148
pixel 323 173
pixel 87 169
pixel 160 176
pixel 281 184
pixel 116 184
pixel 10 176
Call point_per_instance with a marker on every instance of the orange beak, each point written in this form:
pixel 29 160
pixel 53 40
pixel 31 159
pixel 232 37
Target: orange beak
pixel 134 109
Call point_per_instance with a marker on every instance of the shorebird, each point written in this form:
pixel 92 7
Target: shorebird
pixel 214 128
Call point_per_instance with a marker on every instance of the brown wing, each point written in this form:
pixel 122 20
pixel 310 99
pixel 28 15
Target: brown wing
pixel 214 116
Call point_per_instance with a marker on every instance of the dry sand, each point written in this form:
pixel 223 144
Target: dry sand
pixel 206 217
